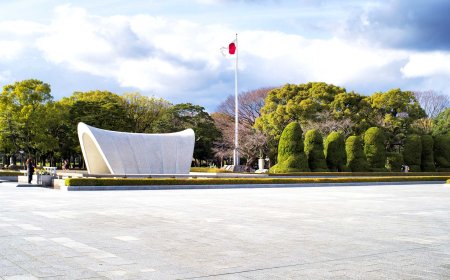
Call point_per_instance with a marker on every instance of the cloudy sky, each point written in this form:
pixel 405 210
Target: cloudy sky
pixel 171 49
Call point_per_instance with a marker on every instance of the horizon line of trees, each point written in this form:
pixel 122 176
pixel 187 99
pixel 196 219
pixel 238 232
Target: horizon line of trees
pixel 358 153
pixel 32 123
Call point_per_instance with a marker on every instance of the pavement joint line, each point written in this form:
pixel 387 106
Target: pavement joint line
pixel 311 263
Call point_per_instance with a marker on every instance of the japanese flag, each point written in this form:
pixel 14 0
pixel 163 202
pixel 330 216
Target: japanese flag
pixel 230 50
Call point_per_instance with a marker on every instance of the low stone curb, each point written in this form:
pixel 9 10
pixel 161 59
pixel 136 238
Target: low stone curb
pixel 236 186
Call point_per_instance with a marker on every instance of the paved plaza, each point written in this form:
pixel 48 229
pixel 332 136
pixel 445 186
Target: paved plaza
pixel 345 232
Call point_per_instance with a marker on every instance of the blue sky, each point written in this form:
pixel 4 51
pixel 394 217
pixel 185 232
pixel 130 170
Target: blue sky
pixel 171 49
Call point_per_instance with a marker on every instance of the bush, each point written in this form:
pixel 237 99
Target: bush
pixel 374 149
pixel 234 181
pixel 356 160
pixel 291 156
pixel 394 162
pixel 209 170
pixel 335 152
pixel 427 154
pixel 442 152
pixel 314 151
pixel 412 152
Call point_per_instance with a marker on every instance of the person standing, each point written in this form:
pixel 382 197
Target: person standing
pixel 30 169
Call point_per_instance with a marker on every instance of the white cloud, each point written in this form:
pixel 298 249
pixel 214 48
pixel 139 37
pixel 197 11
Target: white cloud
pixel 10 50
pixel 427 65
pixel 181 59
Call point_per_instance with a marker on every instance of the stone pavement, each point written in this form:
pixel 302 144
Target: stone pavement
pixel 353 232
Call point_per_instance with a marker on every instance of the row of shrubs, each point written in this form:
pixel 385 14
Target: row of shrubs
pixel 230 181
pixel 358 153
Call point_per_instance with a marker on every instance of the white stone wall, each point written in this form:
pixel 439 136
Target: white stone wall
pixel 112 152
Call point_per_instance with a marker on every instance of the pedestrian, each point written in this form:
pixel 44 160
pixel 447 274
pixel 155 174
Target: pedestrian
pixel 30 169
pixel 65 165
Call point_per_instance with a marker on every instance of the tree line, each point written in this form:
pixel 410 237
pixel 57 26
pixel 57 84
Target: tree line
pixel 32 124
pixel 358 153
pixel 327 108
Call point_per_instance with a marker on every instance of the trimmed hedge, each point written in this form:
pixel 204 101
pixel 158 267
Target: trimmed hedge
pixel 10 173
pixel 209 170
pixel 334 148
pixel 412 152
pixel 230 181
pixel 368 174
pixel 394 162
pixel 374 148
pixel 427 163
pixel 356 159
pixel 291 156
pixel 442 152
pixel 314 151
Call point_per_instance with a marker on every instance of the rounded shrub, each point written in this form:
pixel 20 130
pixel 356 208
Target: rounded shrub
pixel 291 156
pixel 427 154
pixel 356 159
pixel 442 152
pixel 374 149
pixel 412 152
pixel 334 148
pixel 314 151
pixel 394 162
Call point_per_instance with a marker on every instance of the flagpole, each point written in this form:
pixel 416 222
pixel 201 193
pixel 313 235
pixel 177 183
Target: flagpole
pixel 236 110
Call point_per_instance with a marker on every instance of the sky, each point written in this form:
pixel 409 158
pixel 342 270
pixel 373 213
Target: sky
pixel 171 49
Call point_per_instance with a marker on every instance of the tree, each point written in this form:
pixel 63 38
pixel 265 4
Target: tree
pixel 441 124
pixel 22 115
pixel 143 111
pixel 314 151
pixel 432 102
pixel 250 104
pixel 442 152
pixel 101 109
pixel 253 144
pixel 374 148
pixel 412 152
pixel 394 161
pixel 295 103
pixel 291 156
pixel 186 115
pixel 395 111
pixel 334 148
pixel 356 159
pixel 354 109
pixel 427 162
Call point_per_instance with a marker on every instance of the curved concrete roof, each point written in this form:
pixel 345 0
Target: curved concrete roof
pixel 113 152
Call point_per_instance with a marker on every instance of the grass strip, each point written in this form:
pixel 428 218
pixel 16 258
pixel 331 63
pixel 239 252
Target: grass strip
pixel 370 174
pixel 209 170
pixel 10 173
pixel 232 181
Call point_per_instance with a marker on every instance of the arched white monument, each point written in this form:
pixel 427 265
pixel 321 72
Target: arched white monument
pixel 113 152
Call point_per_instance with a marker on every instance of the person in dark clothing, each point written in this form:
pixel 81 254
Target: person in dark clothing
pixel 30 169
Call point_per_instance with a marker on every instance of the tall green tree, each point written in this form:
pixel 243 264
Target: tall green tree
pixel 356 159
pixel 374 148
pixel 295 103
pixel 144 112
pixel 314 151
pixel 186 115
pixel 23 116
pixel 412 152
pixel 291 155
pixel 427 163
pixel 395 111
pixel 441 124
pixel 335 155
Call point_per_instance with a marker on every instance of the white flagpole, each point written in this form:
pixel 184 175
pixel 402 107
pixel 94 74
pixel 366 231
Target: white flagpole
pixel 236 110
